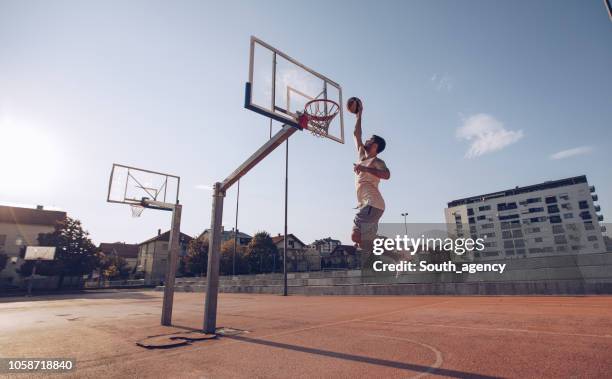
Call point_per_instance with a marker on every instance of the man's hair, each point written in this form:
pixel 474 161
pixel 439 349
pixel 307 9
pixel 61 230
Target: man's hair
pixel 380 142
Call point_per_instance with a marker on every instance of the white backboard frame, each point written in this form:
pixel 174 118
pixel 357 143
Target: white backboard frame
pixel 40 253
pixel 287 115
pixel 124 181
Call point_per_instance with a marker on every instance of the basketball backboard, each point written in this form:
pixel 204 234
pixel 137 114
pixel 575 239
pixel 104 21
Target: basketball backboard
pixel 135 186
pixel 279 87
pixel 43 253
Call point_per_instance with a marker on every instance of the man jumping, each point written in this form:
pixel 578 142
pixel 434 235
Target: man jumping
pixel 371 205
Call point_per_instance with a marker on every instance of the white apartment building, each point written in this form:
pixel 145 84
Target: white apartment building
pixel 551 218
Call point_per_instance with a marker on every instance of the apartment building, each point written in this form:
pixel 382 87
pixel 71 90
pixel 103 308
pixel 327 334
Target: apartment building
pixel 551 218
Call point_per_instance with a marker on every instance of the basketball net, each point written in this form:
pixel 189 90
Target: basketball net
pixel 136 210
pixel 319 114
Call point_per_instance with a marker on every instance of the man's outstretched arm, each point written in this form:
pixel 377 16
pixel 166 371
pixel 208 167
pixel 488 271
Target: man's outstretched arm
pixel 357 132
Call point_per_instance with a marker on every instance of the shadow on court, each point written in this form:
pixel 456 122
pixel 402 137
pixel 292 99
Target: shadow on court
pixel 327 337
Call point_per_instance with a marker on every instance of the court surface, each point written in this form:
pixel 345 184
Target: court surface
pixel 299 336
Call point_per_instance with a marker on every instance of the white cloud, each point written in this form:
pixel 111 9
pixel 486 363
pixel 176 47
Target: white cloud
pixel 581 150
pixel 486 135
pixel 205 187
pixel 442 82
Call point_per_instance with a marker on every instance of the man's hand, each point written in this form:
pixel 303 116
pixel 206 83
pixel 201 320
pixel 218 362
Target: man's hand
pixel 360 111
pixel 381 174
pixel 357 168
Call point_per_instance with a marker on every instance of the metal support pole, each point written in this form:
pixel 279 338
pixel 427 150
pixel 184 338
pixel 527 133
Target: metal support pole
pixel 286 201
pixel 236 231
pixel 173 254
pixel 268 147
pixel 32 278
pixel 212 273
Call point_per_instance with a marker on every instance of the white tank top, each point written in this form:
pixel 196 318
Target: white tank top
pixel 366 184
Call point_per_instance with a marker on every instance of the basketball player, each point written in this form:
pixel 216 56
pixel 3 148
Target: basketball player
pixel 368 172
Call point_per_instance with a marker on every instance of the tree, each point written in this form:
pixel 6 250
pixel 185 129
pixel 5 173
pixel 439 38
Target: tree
pixel 75 254
pixel 113 267
pixel 3 261
pixel 196 260
pixel 261 253
pixel 226 263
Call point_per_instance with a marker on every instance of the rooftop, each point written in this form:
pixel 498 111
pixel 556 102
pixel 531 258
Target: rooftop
pixel 125 250
pixel 30 216
pixel 228 233
pixel 166 237
pixel 518 190
pixel 326 240
pixel 281 237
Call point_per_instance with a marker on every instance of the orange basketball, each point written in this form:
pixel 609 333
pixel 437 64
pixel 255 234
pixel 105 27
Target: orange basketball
pixel 353 105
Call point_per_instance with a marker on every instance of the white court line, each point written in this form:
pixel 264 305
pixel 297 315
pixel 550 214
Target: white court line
pixel 437 364
pixel 493 329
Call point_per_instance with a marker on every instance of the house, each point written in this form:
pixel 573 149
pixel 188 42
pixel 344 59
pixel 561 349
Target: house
pixel 296 253
pixel 127 251
pixel 325 246
pixel 342 257
pixel 19 228
pixel 243 239
pixel 153 256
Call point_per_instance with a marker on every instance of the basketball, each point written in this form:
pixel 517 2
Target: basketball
pixel 353 105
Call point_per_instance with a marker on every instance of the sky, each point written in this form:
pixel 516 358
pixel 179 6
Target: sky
pixel 472 97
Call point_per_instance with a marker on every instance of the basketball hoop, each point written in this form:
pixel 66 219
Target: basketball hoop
pixel 136 210
pixel 319 113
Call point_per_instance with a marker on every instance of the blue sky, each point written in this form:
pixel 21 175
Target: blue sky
pixel 472 97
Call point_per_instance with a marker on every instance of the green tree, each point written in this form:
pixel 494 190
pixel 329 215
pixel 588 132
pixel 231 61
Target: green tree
pixel 113 267
pixel 75 254
pixel 261 253
pixel 3 261
pixel 226 263
pixel 195 261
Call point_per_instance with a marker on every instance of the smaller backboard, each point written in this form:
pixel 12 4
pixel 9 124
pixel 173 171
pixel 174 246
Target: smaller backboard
pixel 42 253
pixel 279 87
pixel 136 186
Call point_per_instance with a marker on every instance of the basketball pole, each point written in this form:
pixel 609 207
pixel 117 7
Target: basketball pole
pixel 32 277
pixel 286 205
pixel 174 243
pixel 219 190
pixel 212 271
pixel 236 231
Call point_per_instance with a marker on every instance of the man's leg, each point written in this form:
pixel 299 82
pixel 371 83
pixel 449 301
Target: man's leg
pixel 366 227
